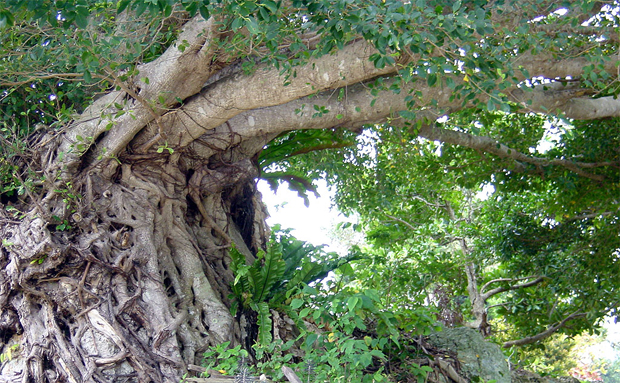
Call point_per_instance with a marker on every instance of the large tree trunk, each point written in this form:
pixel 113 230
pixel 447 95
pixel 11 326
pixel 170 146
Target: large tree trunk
pixel 138 288
pixel 119 271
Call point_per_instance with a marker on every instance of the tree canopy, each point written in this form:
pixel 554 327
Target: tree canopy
pixel 477 141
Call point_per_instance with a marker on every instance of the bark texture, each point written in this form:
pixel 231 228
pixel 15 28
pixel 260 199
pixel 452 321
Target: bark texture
pixel 138 288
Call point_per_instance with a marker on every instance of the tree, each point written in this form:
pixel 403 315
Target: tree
pixel 533 253
pixel 132 132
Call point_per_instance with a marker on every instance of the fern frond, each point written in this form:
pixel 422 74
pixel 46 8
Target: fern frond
pixel 307 273
pixel 264 322
pixel 269 274
pixel 242 283
pixel 293 253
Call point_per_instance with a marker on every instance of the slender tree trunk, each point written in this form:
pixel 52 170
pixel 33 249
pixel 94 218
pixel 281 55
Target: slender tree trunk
pixel 478 303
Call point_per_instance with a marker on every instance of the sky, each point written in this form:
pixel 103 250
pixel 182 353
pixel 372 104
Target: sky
pixel 311 224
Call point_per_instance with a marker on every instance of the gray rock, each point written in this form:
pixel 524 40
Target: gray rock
pixel 479 359
pixel 522 376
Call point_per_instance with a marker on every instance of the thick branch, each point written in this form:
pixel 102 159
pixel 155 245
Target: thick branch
pixel 570 101
pixel 490 145
pixel 353 112
pixel 177 74
pixel 548 66
pixel 498 290
pixel 266 87
pixel 545 334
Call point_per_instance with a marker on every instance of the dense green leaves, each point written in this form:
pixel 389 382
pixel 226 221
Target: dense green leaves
pixel 416 199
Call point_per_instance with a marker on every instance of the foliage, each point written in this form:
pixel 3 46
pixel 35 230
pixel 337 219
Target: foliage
pixel 224 358
pixel 396 29
pixel 578 257
pixel 287 264
pixel 345 337
pixel 274 157
pixel 334 352
pixel 345 334
pixel 611 372
pixel 516 224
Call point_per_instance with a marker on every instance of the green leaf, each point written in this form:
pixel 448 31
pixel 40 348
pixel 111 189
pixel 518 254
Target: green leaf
pixel 204 12
pixel 296 303
pixel 456 6
pixel 141 8
pixel 431 79
pixel 237 23
pixel 122 5
pixel 407 114
pixel 6 19
pixel 252 26
pixel 310 339
pixel 352 303
pixel 265 276
pixel 81 17
pixel 450 82
pixel 490 105
pixel 372 294
pixel 304 312
pixel 271 5
pixel 264 323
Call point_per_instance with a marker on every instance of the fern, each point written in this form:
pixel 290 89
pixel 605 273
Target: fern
pixel 264 323
pixel 293 253
pixel 285 265
pixel 239 268
pixel 307 273
pixel 266 276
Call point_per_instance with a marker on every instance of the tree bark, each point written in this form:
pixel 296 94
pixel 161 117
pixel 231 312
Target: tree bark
pixel 139 286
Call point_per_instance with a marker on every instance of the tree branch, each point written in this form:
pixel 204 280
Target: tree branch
pixel 567 100
pixel 177 74
pixel 545 334
pixel 410 226
pixel 265 88
pixel 490 145
pixel 353 112
pixel 490 293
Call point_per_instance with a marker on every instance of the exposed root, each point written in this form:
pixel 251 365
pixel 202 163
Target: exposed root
pixel 135 291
